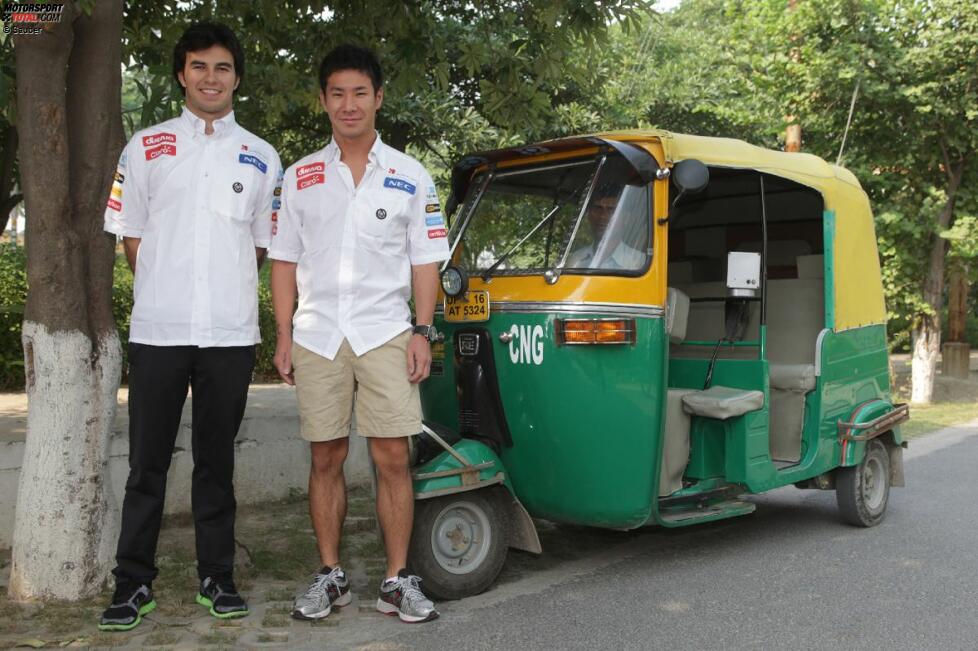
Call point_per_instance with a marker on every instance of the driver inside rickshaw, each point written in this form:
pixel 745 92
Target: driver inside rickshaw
pixel 616 235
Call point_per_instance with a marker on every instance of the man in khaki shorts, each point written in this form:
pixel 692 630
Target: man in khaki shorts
pixel 359 227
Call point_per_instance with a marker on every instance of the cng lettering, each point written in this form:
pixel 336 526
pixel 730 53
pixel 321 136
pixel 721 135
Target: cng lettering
pixel 526 345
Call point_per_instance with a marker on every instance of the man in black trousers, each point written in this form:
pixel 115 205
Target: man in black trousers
pixel 194 201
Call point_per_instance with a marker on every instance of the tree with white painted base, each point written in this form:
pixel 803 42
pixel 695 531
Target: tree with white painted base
pixel 70 130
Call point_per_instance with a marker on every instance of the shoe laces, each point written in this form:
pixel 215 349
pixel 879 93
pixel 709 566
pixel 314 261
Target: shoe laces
pixel 321 582
pixel 411 588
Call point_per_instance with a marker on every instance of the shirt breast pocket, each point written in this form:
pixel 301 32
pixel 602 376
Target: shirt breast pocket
pixel 382 221
pixel 232 193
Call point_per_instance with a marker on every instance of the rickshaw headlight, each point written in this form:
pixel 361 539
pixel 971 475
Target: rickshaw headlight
pixel 454 281
pixel 595 331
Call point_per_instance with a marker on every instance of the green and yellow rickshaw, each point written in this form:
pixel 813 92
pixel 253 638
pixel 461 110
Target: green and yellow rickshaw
pixel 640 328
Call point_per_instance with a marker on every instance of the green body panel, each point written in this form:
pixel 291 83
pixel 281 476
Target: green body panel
pixel 585 420
pixel 473 452
pixel 828 237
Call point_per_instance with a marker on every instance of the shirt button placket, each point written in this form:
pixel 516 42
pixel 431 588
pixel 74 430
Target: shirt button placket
pixel 201 322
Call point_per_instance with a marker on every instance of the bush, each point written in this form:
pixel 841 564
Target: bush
pixel 13 296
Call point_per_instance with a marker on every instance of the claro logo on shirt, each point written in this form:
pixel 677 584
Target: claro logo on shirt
pixel 309 175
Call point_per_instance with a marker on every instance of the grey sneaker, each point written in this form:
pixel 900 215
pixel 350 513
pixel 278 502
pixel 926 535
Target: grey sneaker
pixel 403 597
pixel 329 588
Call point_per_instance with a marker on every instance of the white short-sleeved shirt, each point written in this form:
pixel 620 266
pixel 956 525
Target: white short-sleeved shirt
pixel 355 245
pixel 201 205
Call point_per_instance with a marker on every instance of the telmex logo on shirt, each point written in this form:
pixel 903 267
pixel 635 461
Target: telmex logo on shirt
pixel 435 233
pixel 250 159
pixel 399 184
pixel 309 175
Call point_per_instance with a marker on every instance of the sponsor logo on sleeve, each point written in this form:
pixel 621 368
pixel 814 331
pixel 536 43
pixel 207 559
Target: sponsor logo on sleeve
pixel 309 175
pixel 399 184
pixel 244 147
pixel 251 159
pixel 278 191
pixel 274 229
pixel 276 204
pixel 434 221
pixel 115 204
pixel 116 192
pixel 274 216
pixel 431 194
pixel 432 207
pixel 435 233
pixel 119 177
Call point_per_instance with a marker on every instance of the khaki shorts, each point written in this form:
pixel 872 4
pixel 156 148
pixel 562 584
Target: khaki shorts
pixel 387 405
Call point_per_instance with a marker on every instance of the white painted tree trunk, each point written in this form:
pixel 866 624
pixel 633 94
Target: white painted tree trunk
pixel 923 364
pixel 66 524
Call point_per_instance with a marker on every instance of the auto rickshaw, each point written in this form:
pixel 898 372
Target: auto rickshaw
pixel 640 328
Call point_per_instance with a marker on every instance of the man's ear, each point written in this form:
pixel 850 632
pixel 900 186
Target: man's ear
pixel 237 82
pixel 181 79
pixel 322 98
pixel 379 97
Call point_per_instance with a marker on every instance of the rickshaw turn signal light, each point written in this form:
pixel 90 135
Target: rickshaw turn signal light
pixel 595 331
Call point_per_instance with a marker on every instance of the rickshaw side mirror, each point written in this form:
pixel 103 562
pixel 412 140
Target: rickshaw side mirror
pixel 689 176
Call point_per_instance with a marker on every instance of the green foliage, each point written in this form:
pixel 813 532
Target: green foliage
pixel 13 296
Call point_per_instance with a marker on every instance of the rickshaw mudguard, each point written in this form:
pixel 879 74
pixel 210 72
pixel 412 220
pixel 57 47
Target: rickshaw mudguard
pixel 446 475
pixel 853 439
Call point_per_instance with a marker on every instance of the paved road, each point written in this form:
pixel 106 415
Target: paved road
pixel 790 576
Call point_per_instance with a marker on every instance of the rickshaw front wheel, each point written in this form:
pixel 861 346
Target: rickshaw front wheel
pixel 459 542
pixel 863 490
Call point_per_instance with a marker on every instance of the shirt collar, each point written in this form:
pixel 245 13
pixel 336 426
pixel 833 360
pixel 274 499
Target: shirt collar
pixel 376 155
pixel 222 126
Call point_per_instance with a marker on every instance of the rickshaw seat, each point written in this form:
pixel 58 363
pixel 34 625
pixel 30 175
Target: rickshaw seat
pixel 721 402
pixel 793 377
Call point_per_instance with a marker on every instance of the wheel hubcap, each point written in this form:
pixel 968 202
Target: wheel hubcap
pixel 461 537
pixel 874 483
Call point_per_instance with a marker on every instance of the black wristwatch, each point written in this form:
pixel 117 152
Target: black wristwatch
pixel 426 331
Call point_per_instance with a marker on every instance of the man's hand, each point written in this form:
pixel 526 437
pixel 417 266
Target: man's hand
pixel 418 359
pixel 283 360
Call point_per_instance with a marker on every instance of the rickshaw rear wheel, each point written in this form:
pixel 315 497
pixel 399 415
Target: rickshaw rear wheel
pixel 862 491
pixel 459 542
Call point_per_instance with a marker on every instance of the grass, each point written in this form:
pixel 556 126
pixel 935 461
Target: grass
pixel 927 418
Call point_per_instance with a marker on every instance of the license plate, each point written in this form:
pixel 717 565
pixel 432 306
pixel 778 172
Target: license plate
pixel 468 308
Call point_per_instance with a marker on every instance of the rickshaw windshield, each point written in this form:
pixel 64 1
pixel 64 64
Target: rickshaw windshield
pixel 579 216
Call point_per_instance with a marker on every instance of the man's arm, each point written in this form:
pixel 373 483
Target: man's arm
pixel 424 280
pixel 284 292
pixel 131 246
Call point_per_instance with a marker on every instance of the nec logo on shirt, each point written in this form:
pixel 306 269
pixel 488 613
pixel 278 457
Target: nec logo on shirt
pixel 399 184
pixel 250 159
pixel 309 175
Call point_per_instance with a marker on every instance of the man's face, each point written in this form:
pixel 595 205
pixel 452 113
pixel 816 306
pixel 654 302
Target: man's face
pixel 351 103
pixel 599 213
pixel 210 80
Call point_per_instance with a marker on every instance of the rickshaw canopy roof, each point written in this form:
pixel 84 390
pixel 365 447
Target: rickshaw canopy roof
pixel 852 256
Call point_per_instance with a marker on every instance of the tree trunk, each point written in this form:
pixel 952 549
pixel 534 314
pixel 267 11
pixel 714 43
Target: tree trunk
pixel 70 127
pixel 926 335
pixel 957 306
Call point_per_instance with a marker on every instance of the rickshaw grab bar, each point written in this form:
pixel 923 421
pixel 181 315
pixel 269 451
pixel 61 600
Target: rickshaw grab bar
pixel 875 427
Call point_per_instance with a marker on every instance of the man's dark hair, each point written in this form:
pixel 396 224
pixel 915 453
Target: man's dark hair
pixel 351 57
pixel 203 36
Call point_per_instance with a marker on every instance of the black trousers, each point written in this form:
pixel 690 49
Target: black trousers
pixel 158 381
